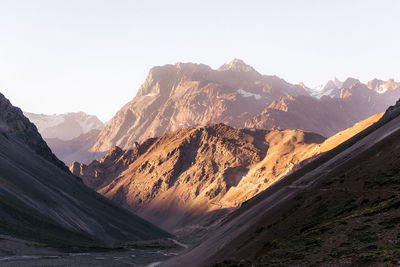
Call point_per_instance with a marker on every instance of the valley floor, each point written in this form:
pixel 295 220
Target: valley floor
pixel 17 252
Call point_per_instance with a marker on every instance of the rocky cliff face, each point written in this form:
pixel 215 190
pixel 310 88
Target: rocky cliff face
pixel 14 125
pixel 185 94
pixel 188 178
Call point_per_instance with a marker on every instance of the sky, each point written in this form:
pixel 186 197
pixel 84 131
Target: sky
pixel 92 55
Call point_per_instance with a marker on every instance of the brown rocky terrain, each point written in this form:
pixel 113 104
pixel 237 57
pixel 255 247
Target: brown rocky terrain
pixel 193 176
pixel 190 177
pixel 342 209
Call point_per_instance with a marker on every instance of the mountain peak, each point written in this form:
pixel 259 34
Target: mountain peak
pixel 350 82
pixel 236 65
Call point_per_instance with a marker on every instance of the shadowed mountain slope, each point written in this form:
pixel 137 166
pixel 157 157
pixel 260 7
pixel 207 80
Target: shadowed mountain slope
pixel 16 127
pixel 340 209
pixel 40 201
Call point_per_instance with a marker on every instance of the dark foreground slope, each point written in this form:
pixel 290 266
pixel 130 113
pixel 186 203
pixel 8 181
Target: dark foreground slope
pixel 15 126
pixel 42 202
pixel 342 208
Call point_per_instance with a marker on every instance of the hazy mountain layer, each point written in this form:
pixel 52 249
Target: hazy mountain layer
pixel 76 149
pixel 64 126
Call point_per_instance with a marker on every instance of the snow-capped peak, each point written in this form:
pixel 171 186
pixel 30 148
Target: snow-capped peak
pixel 330 88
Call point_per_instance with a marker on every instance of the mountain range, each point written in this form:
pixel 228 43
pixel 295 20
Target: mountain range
pixel 248 168
pixel 185 94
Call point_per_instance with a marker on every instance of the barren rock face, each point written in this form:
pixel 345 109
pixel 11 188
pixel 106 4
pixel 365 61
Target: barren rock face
pixel 185 94
pixel 14 125
pixel 183 178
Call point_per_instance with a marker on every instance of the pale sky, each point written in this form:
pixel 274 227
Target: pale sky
pixel 92 55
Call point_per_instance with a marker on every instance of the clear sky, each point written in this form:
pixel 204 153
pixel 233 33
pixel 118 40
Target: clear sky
pixel 92 55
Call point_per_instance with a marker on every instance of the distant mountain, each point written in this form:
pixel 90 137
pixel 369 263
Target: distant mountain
pixel 342 209
pixel 76 149
pixel 185 94
pixel 42 202
pixel 330 88
pixel 64 126
pixel 355 101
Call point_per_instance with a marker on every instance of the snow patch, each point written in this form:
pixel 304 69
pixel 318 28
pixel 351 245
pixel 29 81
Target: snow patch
pixel 248 94
pixel 150 95
pixel 381 89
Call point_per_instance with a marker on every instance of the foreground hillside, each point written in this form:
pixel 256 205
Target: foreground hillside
pixel 341 209
pixel 41 201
